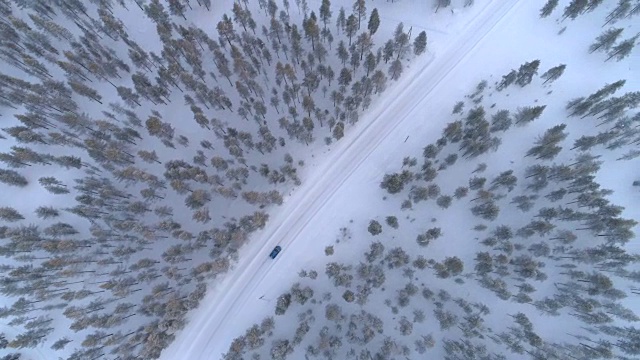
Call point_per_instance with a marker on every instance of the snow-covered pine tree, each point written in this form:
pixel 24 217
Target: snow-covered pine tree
pixel 546 147
pixel 526 72
pixel 623 49
pixel 575 8
pixel 606 40
pixel 507 80
pixel 553 74
pixel 360 9
pixel 420 43
pixel 548 8
pixel 621 10
pixel 442 4
pixel 527 114
pixel 374 21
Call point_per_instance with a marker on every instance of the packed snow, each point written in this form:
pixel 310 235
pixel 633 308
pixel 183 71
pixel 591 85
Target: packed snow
pixel 391 203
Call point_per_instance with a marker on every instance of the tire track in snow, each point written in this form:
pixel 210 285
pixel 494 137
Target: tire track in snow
pixel 232 293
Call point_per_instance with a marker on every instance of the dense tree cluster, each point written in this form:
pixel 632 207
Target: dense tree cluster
pixel 579 231
pixel 548 238
pixel 568 223
pixel 623 11
pixel 157 135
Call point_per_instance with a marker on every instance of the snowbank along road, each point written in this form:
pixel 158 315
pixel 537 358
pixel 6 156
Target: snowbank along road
pixel 207 336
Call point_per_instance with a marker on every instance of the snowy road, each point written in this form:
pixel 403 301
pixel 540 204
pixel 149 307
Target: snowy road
pixel 208 333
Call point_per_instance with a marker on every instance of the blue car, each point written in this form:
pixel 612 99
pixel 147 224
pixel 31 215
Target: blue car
pixel 276 250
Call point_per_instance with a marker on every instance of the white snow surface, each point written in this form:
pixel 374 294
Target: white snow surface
pixel 340 180
pixel 465 46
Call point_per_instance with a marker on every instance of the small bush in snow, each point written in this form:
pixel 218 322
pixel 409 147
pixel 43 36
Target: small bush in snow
pixel 392 221
pixel 328 250
pixel 349 296
pixel 374 228
pixel 283 303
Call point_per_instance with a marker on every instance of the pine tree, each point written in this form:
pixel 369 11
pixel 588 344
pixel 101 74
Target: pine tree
pixel 370 63
pixel 338 130
pixel 53 29
pixel 11 177
pixel 548 8
pixel 500 121
pixel 113 27
pixel 325 12
pixel 155 11
pixel 225 29
pixel 442 3
pixel 159 128
pixel 82 89
pixel 374 22
pixel 546 147
pixel 53 185
pixel 25 135
pixel 312 31
pixel 379 80
pixel 400 41
pixel 553 74
pixel 128 96
pixel 505 179
pixel 635 10
pixel 149 156
pixel 241 16
pixel 420 43
pixel 60 343
pixel 527 114
pixel 272 8
pixel 623 49
pixel 444 201
pixel 526 73
pixel 487 210
pixel 374 228
pixel 622 10
pixel 630 344
pixel 344 78
pixel 45 212
pixel 363 44
pixel 351 27
pixel 342 52
pixel 507 80
pixel 575 8
pixel 605 41
pixel 454 265
pixel 296 45
pixel 395 70
pixel 581 106
pixel 10 214
pixel 341 20
pixel 593 4
pixel 360 9
pixel 388 51
pixel 30 338
pixel 394 183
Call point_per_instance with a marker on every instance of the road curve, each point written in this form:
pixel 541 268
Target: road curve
pixel 200 340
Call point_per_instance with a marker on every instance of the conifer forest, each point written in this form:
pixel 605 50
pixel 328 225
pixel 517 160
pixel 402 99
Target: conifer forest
pixel 150 148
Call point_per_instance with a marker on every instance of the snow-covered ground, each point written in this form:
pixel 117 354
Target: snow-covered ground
pixel 141 30
pixel 340 182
